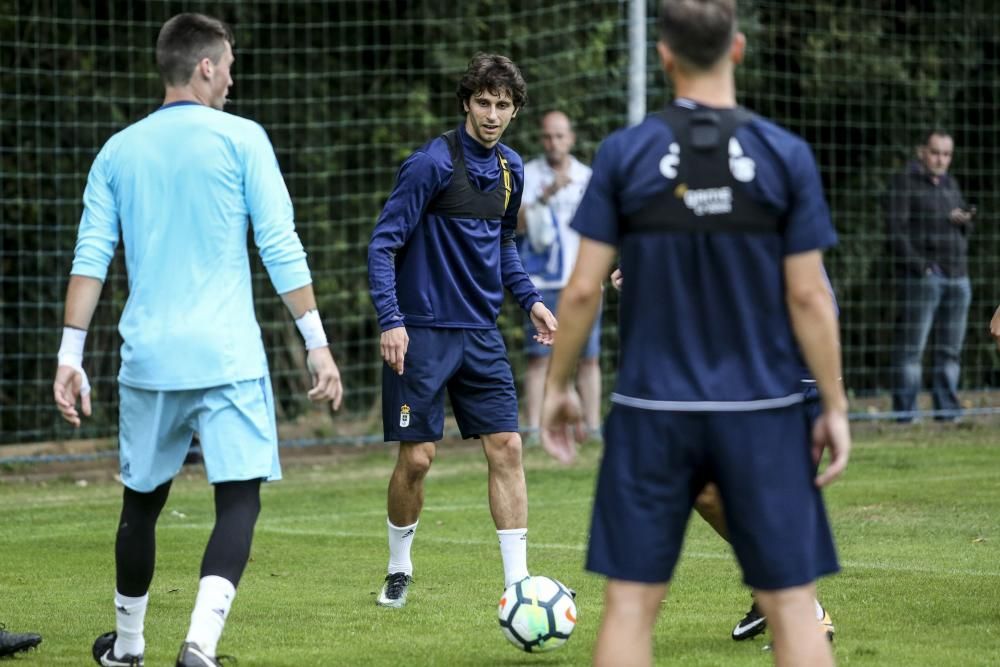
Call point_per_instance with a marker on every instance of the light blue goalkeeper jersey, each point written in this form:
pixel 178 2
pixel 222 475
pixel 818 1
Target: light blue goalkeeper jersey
pixel 181 187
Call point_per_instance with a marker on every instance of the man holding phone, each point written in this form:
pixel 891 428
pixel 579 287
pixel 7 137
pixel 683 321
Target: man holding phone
pixel 929 226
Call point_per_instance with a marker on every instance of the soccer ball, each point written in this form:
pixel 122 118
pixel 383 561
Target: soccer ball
pixel 537 614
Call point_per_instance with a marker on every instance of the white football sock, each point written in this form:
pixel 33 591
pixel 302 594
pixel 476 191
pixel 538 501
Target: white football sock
pixel 130 613
pixel 514 553
pixel 400 540
pixel 819 611
pixel 211 607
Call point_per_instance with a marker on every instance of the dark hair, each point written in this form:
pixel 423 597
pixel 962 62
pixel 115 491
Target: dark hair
pixel 936 132
pixel 698 31
pixel 184 41
pixel 496 74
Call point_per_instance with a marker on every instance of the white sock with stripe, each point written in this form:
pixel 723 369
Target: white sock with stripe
pixel 130 614
pixel 211 608
pixel 400 541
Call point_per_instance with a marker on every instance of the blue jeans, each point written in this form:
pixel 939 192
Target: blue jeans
pixel 925 303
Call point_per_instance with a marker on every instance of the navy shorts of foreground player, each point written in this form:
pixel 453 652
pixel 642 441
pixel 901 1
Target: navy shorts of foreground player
pixel 471 364
pixel 656 462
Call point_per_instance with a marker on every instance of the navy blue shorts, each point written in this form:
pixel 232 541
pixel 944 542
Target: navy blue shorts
pixel 471 364
pixel 656 463
pixel 532 348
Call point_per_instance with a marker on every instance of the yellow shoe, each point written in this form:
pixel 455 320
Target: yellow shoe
pixel 826 625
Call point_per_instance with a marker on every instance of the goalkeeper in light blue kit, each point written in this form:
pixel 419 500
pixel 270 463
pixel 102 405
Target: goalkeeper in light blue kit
pixel 180 187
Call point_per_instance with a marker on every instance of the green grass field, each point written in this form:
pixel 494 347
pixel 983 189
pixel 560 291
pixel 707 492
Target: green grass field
pixel 916 520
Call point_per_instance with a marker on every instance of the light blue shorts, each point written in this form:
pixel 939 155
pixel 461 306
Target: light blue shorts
pixel 235 424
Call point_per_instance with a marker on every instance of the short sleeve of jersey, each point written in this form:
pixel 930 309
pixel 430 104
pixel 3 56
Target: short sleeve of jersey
pixel 597 216
pixel 808 222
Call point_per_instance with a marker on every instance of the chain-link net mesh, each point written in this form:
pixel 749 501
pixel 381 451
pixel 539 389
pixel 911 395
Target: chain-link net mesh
pixel 347 88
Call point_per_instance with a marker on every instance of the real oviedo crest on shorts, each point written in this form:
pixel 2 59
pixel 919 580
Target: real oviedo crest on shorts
pixel 404 415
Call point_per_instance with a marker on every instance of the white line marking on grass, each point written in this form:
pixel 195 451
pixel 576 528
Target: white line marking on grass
pixel 482 506
pixel 56 501
pixel 916 569
pixel 379 536
pixel 904 478
pixel 700 555
pixel 423 538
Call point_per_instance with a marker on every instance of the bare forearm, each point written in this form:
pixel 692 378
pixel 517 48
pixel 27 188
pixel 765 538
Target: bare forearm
pixel 300 300
pixel 816 329
pixel 82 296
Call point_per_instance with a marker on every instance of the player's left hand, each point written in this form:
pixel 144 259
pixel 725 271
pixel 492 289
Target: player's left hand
pixel 545 323
pixel 325 377
pixel 831 432
pixel 70 385
pixel 563 425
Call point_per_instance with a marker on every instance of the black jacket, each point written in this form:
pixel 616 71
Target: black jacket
pixel 921 233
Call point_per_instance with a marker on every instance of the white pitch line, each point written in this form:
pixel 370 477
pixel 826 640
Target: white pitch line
pixel 170 523
pixel 700 555
pixel 908 480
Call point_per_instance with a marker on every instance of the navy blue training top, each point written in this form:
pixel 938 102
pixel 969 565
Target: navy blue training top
pixel 429 270
pixel 704 324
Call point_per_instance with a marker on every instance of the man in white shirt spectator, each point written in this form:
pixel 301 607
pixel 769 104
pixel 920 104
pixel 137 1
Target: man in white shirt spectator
pixel 553 186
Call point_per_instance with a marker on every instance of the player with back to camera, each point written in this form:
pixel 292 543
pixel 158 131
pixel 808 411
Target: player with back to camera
pixel 441 253
pixel 708 504
pixel 181 186
pixel 723 212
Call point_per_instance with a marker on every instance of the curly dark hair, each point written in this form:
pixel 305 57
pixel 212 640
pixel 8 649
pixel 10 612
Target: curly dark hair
pixel 184 40
pixel 494 73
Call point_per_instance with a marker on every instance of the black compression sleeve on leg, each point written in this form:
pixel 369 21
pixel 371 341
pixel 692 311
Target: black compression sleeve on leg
pixel 237 505
pixel 135 544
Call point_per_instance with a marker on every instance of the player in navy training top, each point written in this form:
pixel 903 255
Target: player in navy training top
pixel 720 222
pixel 708 504
pixel 441 253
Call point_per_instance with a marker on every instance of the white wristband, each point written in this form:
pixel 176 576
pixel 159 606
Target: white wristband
pixel 71 348
pixel 311 328
pixel 71 354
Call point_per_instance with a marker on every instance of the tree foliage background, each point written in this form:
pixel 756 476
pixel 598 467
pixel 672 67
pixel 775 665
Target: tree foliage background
pixel 347 88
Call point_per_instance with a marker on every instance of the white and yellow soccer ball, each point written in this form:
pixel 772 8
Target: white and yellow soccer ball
pixel 537 614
